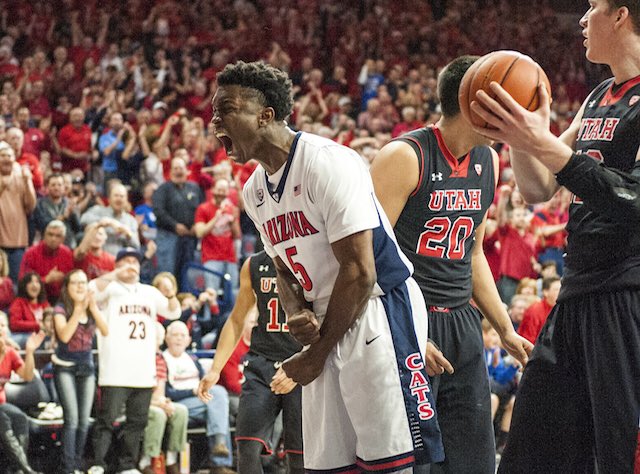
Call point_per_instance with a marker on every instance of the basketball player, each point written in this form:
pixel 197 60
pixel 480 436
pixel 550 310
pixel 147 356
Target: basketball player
pixel 366 399
pixel 127 361
pixel 271 344
pixel 579 401
pixel 436 185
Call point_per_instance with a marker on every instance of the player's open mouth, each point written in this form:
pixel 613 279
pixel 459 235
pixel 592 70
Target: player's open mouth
pixel 227 143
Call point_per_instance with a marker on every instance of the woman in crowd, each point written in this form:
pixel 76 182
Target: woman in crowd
pixel 26 311
pixel 75 322
pixel 14 424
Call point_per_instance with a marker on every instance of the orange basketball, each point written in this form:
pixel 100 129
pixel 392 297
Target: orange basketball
pixel 517 73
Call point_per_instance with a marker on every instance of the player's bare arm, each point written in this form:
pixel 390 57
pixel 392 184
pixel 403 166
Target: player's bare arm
pixel 486 296
pixel 395 174
pixel 231 332
pixel 350 294
pixel 302 322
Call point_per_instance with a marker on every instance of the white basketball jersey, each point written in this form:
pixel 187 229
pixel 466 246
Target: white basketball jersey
pixel 322 194
pixel 127 356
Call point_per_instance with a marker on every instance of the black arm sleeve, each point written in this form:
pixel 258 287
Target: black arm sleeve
pixel 606 191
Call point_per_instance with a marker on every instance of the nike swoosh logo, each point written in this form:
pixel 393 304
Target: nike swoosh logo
pixel 371 340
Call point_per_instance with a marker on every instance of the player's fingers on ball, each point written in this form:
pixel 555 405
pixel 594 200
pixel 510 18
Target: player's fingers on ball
pixel 481 111
pixel 506 101
pixel 543 94
pixel 488 108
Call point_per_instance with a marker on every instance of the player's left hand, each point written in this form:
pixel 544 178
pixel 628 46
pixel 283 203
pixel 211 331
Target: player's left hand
pixel 281 384
pixel 517 346
pixel 303 367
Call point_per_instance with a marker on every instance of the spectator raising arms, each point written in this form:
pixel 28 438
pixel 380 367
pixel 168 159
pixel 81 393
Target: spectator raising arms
pixel 130 309
pixel 17 199
pixel 75 322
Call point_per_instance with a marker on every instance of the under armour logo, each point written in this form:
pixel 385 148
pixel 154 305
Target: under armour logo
pixel 592 103
pixel 436 176
pixel 264 268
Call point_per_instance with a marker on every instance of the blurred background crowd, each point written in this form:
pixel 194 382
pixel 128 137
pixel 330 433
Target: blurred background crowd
pixel 105 140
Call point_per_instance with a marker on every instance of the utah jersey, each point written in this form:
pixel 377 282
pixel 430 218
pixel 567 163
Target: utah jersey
pixel 610 133
pixel 321 195
pixel 436 229
pixel 270 337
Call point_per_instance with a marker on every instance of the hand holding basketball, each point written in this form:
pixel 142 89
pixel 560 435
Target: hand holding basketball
pixel 304 327
pixel 518 74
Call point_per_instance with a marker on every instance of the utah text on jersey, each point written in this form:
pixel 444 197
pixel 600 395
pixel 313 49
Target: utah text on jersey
pixel 456 200
pixel 598 128
pixel 268 284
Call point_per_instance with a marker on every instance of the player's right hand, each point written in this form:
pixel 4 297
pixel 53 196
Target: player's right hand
pixel 281 384
pixel 304 327
pixel 208 381
pixel 436 362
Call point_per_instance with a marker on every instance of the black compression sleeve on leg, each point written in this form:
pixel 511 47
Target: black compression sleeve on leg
pixel 605 190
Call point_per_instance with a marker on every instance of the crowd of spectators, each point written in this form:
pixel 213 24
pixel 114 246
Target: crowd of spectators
pixel 105 141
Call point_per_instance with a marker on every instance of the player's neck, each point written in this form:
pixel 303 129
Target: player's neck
pixel 457 135
pixel 627 65
pixel 274 148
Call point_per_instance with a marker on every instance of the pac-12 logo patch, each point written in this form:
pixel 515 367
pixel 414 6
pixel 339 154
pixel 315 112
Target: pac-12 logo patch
pixel 478 168
pixel 634 99
pixel 260 195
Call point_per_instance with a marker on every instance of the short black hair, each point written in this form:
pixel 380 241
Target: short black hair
pixel 449 84
pixel 272 85
pixel 634 11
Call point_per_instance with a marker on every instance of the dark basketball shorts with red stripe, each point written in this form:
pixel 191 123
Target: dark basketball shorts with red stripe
pixel 578 405
pixel 259 407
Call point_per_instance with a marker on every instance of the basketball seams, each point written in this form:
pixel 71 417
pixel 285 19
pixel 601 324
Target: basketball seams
pixel 535 91
pixel 513 71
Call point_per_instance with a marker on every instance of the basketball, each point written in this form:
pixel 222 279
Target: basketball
pixel 517 73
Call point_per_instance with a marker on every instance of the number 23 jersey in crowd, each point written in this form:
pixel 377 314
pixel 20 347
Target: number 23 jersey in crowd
pixel 436 229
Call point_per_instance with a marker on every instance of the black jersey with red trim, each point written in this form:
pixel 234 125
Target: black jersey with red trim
pixel 270 338
pixel 600 250
pixel 436 229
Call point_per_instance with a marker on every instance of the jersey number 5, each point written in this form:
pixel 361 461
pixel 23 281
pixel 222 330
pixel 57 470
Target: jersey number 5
pixel 444 238
pixel 298 269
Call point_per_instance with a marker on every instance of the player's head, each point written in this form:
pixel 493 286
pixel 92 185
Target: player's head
pixel 449 83
pixel 632 9
pixel 251 98
pixel 604 22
